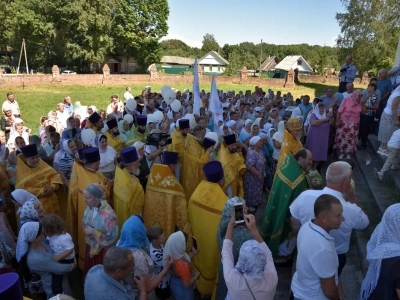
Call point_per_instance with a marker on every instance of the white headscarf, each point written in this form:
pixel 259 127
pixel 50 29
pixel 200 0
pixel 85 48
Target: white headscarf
pixel 254 140
pixel 21 196
pixel 27 212
pixel 317 114
pixel 278 136
pixel 107 156
pixel 252 259
pixel 296 113
pixel 27 234
pixel 247 122
pixel 267 127
pixel 176 247
pixel 257 122
pixel 384 243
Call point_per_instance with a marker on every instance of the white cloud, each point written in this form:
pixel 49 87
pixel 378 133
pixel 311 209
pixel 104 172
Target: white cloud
pixel 190 42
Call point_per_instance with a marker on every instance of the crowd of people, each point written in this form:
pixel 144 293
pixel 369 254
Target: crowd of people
pixel 154 199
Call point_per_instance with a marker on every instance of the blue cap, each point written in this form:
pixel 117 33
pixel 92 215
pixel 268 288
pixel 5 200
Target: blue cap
pixel 184 123
pixel 170 158
pixel 213 171
pixel 80 154
pixel 10 286
pixel 141 120
pixel 129 155
pixel 29 150
pixel 207 143
pixel 91 155
pixel 94 118
pixel 230 139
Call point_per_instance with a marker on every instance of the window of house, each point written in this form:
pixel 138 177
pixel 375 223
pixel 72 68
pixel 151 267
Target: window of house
pixel 210 68
pixel 219 69
pixel 299 62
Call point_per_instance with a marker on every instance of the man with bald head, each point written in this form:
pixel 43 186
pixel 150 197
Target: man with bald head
pixel 347 74
pixel 338 179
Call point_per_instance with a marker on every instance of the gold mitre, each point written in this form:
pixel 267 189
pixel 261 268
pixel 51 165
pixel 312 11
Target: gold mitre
pixel 295 123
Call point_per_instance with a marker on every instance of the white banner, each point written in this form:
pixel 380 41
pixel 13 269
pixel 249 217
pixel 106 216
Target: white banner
pixel 214 105
pixel 196 89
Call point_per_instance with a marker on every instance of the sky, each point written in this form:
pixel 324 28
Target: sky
pixel 235 21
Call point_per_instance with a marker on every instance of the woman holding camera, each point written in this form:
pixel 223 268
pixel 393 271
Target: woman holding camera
pixel 254 275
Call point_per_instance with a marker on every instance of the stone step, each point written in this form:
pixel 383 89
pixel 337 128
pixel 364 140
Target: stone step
pixel 391 175
pixel 373 196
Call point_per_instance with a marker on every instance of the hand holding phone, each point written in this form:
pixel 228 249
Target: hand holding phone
pixel 239 214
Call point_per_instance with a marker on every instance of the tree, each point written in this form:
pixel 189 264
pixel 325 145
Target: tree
pixel 369 32
pixel 176 48
pixel 209 44
pixel 138 26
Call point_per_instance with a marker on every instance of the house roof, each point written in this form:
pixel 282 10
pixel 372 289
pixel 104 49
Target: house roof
pixel 177 60
pixel 217 57
pixel 290 62
pixel 267 62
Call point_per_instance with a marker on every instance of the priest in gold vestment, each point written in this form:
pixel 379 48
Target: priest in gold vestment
pixel 205 209
pixel 114 138
pixel 291 139
pixel 178 137
pixel 128 192
pixel 234 167
pixel 82 175
pixel 195 157
pixel 38 178
pixel 165 203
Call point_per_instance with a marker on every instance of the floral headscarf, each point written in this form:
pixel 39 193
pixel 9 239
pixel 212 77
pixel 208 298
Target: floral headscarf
pixel 27 234
pixel 384 243
pixel 252 259
pixel 27 212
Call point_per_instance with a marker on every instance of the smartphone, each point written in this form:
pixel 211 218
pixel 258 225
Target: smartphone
pixel 194 243
pixel 239 215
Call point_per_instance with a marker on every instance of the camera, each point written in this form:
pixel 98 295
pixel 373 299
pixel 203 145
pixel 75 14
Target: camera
pixel 159 139
pixel 343 69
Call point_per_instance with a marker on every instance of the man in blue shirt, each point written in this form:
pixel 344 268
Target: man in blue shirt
pixel 305 106
pixel 327 98
pixel 347 73
pixel 104 282
pixel 385 87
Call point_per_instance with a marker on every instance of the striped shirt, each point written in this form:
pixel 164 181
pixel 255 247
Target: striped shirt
pixel 65 164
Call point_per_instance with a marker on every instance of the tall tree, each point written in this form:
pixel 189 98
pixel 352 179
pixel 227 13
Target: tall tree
pixel 209 44
pixel 138 26
pixel 369 32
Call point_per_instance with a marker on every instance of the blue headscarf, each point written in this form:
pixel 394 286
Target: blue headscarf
pixel 133 234
pixel 340 98
pixel 244 135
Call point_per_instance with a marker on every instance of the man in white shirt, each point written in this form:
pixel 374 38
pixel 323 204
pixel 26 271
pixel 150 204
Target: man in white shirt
pixel 316 275
pixel 349 91
pixel 62 115
pixel 127 94
pixel 13 104
pixel 338 178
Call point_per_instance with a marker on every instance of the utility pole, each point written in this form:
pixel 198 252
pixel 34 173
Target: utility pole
pixel 259 70
pixel 23 48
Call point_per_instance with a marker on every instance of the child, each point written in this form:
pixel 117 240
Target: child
pixel 393 160
pixel 156 237
pixel 61 244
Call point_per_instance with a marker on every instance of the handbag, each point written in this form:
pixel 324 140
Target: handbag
pixel 254 298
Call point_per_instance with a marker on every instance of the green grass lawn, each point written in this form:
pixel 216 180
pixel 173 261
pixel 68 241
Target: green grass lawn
pixel 37 101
